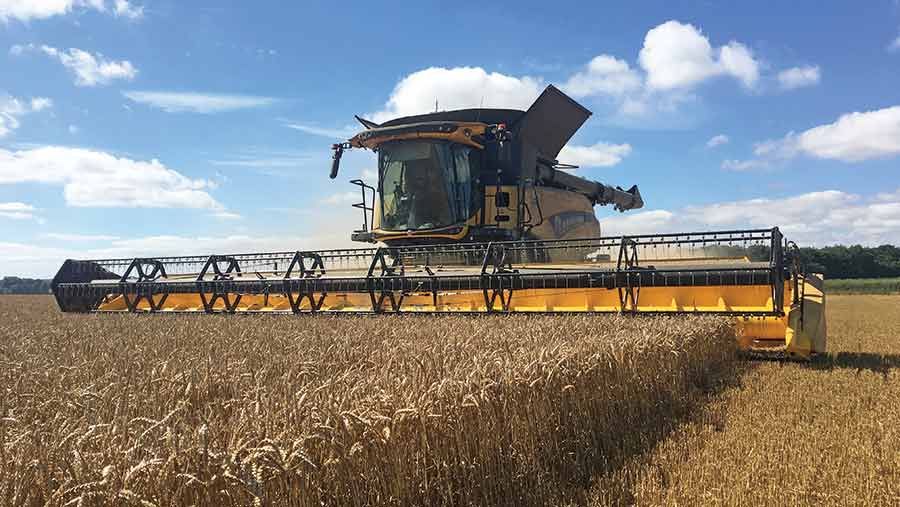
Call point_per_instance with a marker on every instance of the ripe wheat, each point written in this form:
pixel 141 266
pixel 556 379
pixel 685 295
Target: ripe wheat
pixel 179 410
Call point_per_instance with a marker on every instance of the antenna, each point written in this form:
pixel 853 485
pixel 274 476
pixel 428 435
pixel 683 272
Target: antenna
pixel 435 105
pixel 480 107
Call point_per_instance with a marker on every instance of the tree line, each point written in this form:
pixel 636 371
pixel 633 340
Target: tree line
pixel 16 285
pixel 853 261
pixel 835 262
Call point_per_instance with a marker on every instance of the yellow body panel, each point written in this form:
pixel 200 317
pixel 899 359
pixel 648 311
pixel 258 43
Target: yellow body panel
pixel 463 135
pixel 559 214
pixel 491 211
pixel 759 333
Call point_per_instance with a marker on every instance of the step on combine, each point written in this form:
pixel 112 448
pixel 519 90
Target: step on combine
pixel 472 213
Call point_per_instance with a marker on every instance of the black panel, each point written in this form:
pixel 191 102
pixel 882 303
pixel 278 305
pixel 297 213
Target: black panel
pixel 488 116
pixel 551 121
pixel 79 274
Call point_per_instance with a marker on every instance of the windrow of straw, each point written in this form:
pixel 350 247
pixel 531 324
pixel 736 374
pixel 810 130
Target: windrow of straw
pixel 408 410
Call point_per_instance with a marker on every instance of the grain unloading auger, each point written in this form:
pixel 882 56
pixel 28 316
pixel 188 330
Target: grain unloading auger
pixel 475 215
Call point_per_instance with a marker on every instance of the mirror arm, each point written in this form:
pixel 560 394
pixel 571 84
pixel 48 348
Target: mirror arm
pixel 338 149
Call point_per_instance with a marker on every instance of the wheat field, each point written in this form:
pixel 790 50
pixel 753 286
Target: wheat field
pixel 794 434
pixel 415 410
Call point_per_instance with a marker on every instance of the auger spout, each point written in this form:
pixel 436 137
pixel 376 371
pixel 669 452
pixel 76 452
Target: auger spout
pixel 598 193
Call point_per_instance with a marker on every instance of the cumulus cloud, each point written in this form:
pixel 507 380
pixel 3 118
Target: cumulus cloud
pixel 596 155
pixel 89 69
pixel 36 260
pixel 737 60
pixel 342 198
pixel 798 77
pixel 642 222
pixel 16 210
pixel 854 137
pixel 677 56
pixel 226 215
pixel 40 103
pixel 717 140
pixel 57 236
pixel 457 88
pixel 370 176
pixel 674 59
pixel 815 218
pixel 895 44
pixel 332 133
pixel 97 179
pixel 125 9
pixel 27 10
pixel 191 102
pixel 745 165
pixel 606 75
pixel 12 109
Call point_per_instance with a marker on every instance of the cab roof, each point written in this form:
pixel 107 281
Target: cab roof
pixel 488 116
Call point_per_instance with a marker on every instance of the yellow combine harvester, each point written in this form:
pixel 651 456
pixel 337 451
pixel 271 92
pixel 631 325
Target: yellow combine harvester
pixel 475 215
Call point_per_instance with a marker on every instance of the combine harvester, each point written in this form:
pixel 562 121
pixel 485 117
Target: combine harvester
pixel 475 215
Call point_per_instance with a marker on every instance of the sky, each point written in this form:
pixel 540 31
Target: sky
pixel 156 127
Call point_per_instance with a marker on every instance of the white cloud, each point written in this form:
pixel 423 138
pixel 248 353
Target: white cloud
pixel 16 210
pixel 342 198
pixel 191 102
pixel 125 9
pixel 227 215
pixel 737 60
pixel 605 75
pixel 264 163
pixel 642 222
pixel 30 260
pixel 370 176
pixel 323 228
pixel 674 59
pixel 27 10
pixel 597 155
pixel 88 69
pixel 97 179
pixel 40 103
pixel 717 140
pixel 12 109
pixel 36 260
pixel 340 134
pixel 797 77
pixel 815 218
pixel 854 137
pixel 678 56
pixel 73 129
pixel 458 88
pixel 744 165
pixel 895 44
pixel 78 237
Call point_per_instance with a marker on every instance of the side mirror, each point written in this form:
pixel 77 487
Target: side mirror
pixel 501 200
pixel 336 159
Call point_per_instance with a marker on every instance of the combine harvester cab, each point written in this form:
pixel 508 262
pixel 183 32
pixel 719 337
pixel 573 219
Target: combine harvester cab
pixel 475 215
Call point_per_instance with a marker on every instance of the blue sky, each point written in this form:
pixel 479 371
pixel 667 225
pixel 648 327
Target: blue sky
pixel 162 127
